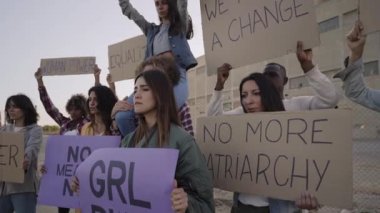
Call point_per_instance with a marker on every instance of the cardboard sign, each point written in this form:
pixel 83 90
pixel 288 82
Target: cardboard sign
pixel 281 154
pixel 127 180
pixel 67 66
pixel 242 32
pixel 124 57
pixel 369 15
pixel 62 157
pixel 11 157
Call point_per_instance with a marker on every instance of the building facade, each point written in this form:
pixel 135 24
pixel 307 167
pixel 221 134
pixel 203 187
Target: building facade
pixel 335 18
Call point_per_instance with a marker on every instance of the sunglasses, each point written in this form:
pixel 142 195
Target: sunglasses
pixel 158 3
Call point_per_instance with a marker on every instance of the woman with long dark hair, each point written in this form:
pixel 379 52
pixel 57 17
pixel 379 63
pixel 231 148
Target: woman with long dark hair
pixel 21 116
pixel 159 127
pixel 167 66
pixel 100 102
pixel 171 35
pixel 257 94
pixel 168 39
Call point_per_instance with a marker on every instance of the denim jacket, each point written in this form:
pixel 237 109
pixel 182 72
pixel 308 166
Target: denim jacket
pixel 180 47
pixel 276 205
pixel 355 88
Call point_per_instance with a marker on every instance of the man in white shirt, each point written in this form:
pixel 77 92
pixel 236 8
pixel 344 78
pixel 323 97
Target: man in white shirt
pixel 325 94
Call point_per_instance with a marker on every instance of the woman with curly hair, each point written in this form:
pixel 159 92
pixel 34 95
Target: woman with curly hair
pixel 100 102
pixel 159 127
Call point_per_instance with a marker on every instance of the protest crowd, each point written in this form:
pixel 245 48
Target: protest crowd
pixel 156 118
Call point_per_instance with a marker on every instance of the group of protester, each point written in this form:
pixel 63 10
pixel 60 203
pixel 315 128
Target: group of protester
pixel 156 115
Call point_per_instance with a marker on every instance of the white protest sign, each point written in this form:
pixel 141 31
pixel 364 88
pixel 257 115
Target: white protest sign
pixel 67 66
pixel 241 32
pixel 11 157
pixel 281 154
pixel 124 57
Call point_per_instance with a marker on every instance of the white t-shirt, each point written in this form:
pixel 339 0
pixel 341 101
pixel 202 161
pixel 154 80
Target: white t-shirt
pixel 17 129
pixel 71 132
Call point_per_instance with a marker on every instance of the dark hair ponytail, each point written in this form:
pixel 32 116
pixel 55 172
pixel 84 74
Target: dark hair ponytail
pixel 176 22
pixel 190 31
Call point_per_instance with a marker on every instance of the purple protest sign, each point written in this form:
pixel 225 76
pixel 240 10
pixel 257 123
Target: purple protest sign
pixel 138 180
pixel 63 155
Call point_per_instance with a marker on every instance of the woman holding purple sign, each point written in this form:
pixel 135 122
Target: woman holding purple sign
pixel 159 127
pixel 101 100
pixel 75 107
pixel 22 117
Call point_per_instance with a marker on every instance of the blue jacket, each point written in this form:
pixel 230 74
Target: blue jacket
pixel 355 88
pixel 180 47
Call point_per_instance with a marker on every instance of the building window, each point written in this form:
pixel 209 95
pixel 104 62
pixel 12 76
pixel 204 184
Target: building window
pixel 329 24
pixel 227 106
pixel 371 68
pixel 298 82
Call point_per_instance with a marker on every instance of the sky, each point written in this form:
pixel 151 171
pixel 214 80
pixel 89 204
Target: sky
pixel 34 29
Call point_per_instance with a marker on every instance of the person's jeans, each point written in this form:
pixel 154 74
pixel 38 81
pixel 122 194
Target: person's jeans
pixel 63 210
pixel 242 208
pixel 19 203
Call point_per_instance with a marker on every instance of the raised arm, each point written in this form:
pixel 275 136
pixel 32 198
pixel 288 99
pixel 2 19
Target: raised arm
pixel 111 83
pixel 129 11
pixel 356 90
pixel 215 106
pixel 97 72
pixel 353 81
pixel 47 103
pixel 326 95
